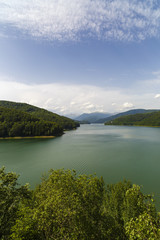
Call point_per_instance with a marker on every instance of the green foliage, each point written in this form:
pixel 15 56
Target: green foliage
pixel 17 123
pixel 114 206
pixel 145 226
pixel 141 119
pixel 125 201
pixel 42 114
pixel 10 197
pixel 26 226
pixel 71 207
pixel 65 207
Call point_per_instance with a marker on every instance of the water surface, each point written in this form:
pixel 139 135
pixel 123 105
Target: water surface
pixel 114 152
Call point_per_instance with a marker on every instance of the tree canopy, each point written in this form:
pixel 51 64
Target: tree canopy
pixel 67 206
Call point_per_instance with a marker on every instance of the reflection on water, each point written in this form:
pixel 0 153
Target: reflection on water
pixel 113 152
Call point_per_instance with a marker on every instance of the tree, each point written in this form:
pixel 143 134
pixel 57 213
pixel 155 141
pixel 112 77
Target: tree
pixel 70 207
pixel 3 130
pixel 16 130
pixel 145 226
pixel 124 202
pixel 65 207
pixel 11 195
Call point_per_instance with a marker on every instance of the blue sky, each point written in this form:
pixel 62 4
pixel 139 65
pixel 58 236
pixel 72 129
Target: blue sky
pixel 81 55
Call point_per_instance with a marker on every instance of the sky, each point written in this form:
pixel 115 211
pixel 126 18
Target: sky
pixel 81 56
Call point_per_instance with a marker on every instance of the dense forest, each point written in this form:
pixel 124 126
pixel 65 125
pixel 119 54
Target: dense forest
pixel 140 119
pixel 71 207
pixel 23 120
pixel 17 123
pixel 64 122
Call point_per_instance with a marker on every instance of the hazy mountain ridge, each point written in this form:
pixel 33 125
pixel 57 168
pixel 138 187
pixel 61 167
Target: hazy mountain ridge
pixel 92 117
pixel 151 119
pixel 130 112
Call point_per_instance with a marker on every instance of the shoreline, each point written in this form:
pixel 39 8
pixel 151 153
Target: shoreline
pixel 132 125
pixel 3 138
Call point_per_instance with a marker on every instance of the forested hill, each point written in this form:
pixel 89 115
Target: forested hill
pixel 130 112
pixel 15 123
pixel 63 122
pixel 140 119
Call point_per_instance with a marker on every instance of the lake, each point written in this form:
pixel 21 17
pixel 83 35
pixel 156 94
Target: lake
pixel 114 152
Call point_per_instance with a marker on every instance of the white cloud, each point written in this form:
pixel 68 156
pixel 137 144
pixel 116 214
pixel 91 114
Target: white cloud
pixel 74 19
pixel 87 103
pixel 72 103
pixel 157 96
pixel 77 99
pixel 127 105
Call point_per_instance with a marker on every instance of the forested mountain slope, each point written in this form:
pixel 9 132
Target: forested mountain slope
pixel 15 123
pixel 130 112
pixel 41 113
pixel 139 119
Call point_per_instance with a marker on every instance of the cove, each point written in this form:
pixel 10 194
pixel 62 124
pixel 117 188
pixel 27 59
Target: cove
pixel 114 152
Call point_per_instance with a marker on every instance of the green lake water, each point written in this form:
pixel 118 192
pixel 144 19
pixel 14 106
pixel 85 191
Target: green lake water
pixel 114 152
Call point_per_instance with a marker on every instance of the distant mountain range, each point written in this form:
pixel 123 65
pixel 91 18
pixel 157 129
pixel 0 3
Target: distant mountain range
pixel 91 117
pixel 130 112
pixel 149 119
pixel 98 117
